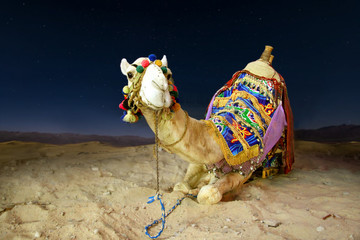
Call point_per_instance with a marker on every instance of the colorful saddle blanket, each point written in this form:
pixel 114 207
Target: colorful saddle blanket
pixel 240 115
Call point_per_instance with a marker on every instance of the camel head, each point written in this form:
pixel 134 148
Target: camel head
pixel 149 83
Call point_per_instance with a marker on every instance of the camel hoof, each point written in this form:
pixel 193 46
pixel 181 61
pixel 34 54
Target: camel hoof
pixel 182 187
pixel 209 194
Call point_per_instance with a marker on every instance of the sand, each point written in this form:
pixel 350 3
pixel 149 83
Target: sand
pixel 96 191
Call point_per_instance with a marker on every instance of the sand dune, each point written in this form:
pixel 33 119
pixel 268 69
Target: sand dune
pixel 96 191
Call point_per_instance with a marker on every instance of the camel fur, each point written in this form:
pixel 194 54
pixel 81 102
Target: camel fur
pixel 198 147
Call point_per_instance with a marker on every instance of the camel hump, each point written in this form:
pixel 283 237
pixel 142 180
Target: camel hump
pixel 263 66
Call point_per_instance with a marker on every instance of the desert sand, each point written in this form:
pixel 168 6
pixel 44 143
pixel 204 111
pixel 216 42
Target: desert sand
pixel 97 191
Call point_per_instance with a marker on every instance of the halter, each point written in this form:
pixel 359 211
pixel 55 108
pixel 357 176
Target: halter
pixel 131 93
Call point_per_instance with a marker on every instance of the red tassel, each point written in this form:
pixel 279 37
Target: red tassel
pixel 121 106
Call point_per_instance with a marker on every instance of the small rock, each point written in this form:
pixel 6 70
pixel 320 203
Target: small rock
pixel 225 227
pixel 4 198
pixel 62 213
pixel 50 207
pixel 271 223
pixel 346 193
pixel 248 195
pixel 106 174
pixel 39 194
pixel 107 193
pixel 193 225
pixel 95 168
pixel 320 229
pixel 37 235
pixel 96 231
pixel 228 220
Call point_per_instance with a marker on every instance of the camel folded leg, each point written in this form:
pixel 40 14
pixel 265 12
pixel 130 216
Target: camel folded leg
pixel 196 176
pixel 212 193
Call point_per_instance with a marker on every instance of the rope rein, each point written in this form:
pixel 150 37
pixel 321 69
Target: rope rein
pixel 157 196
pixel 157 143
pixel 163 215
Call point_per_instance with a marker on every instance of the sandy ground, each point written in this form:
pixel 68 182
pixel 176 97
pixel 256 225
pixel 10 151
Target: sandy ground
pixel 95 191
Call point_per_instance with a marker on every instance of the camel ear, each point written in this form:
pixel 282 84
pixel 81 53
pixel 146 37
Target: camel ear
pixel 164 61
pixel 124 66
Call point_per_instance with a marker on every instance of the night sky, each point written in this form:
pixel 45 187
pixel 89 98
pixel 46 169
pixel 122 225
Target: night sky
pixel 59 60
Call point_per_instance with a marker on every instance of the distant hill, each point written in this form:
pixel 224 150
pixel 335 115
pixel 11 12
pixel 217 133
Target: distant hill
pixel 70 138
pixel 342 133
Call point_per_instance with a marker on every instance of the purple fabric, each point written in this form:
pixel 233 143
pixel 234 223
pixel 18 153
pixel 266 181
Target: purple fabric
pixel 274 131
pixel 211 105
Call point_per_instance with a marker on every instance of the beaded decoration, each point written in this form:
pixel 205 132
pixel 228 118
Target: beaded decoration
pixel 132 112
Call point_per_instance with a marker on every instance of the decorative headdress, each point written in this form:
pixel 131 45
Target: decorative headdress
pixel 132 112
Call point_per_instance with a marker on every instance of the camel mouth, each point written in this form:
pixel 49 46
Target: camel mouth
pixel 162 100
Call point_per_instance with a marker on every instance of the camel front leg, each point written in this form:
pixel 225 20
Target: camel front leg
pixel 212 193
pixel 196 174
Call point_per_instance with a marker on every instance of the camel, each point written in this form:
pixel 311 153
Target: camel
pixel 148 91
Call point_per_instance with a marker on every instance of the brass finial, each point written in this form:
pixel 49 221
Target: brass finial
pixel 271 59
pixel 265 56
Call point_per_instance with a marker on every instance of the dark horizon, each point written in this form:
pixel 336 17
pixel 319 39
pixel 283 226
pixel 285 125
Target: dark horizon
pixel 60 61
pixel 335 133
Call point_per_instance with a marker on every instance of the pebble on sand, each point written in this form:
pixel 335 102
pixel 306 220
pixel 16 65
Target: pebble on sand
pixel 271 223
pixel 37 235
pixel 320 228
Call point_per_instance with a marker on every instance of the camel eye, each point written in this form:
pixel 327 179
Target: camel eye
pixel 168 77
pixel 130 75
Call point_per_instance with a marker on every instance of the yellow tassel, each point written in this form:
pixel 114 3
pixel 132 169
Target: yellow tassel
pixel 130 117
pixel 167 115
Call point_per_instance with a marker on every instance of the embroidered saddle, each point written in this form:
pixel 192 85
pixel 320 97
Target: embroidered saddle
pixel 247 118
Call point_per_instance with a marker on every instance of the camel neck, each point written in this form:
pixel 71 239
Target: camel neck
pixel 169 131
